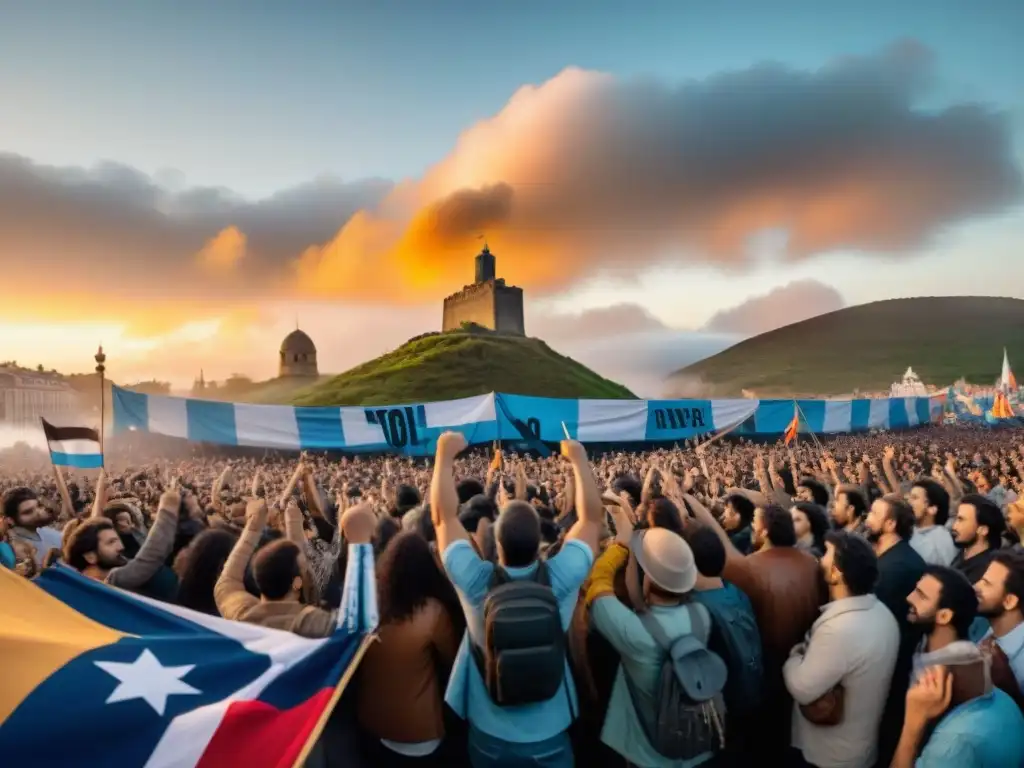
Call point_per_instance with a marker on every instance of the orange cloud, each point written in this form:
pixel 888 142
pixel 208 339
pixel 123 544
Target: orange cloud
pixel 587 173
pixel 581 175
pixel 224 252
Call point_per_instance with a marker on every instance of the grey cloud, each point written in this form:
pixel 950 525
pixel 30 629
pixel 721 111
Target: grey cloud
pixel 843 157
pixel 112 224
pixel 790 303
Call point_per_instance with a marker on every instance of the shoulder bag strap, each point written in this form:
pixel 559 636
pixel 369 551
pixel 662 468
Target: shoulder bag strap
pixel 655 630
pixel 541 575
pixel 498 577
pixel 699 625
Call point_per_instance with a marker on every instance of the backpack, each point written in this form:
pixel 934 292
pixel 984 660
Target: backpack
pixel 523 655
pixel 735 637
pixel 690 708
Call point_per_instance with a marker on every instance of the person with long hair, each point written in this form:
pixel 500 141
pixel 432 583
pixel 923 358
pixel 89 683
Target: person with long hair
pixel 403 677
pixel 198 566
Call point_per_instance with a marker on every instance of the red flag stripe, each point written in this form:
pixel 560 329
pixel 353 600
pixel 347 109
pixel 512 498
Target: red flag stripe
pixel 255 733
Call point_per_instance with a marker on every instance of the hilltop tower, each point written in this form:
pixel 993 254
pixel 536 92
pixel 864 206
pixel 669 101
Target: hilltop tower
pixel 297 356
pixel 488 302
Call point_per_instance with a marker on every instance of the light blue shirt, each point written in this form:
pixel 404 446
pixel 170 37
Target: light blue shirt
pixel 1012 644
pixel 642 659
pixel 7 558
pixel 986 732
pixel 472 579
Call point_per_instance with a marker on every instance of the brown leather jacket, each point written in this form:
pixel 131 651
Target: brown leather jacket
pixel 403 676
pixel 786 589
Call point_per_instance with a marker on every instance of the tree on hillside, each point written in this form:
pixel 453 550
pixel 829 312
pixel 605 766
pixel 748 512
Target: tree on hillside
pixel 236 383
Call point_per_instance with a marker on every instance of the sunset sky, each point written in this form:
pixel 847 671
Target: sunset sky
pixel 184 181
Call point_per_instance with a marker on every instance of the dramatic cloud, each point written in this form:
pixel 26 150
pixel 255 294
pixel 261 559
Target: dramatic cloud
pixel 586 172
pixel 580 175
pixel 781 306
pixel 112 242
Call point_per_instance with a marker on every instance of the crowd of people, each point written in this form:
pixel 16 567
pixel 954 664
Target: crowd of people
pixel 843 603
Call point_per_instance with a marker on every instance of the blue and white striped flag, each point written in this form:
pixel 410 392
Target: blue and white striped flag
pixel 77 447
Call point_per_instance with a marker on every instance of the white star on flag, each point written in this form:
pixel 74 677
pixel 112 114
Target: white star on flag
pixel 146 678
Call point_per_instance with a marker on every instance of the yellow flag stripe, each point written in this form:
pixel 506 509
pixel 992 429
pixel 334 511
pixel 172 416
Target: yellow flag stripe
pixel 38 635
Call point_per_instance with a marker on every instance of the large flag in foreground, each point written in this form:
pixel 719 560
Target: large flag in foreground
pixel 94 676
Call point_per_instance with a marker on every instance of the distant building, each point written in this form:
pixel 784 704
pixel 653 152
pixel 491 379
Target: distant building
pixel 298 356
pixel 26 396
pixel 910 386
pixel 488 302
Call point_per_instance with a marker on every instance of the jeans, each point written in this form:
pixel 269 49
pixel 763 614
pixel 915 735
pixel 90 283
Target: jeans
pixel 488 752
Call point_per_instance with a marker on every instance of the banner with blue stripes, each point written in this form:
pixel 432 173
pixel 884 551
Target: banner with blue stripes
pixel 413 429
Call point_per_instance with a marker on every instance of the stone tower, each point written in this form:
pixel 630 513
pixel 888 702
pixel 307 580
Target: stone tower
pixel 485 265
pixel 298 356
pixel 488 302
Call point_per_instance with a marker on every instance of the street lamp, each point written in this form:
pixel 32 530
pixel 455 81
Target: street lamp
pixel 101 369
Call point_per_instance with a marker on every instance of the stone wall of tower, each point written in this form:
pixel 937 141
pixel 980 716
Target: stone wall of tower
pixel 473 304
pixel 297 364
pixel 508 310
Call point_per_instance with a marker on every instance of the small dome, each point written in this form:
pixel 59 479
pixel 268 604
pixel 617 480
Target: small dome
pixel 297 342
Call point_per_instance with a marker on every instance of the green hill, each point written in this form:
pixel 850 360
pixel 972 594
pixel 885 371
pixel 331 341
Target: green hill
pixel 868 348
pixel 279 390
pixel 445 366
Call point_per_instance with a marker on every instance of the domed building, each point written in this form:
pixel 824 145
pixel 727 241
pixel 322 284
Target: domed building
pixel 298 355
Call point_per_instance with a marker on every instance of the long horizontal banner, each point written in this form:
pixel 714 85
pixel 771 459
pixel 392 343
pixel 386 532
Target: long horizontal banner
pixel 413 429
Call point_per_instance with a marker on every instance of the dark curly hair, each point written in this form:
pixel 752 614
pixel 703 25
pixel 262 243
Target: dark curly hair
pixel 198 567
pixel 407 576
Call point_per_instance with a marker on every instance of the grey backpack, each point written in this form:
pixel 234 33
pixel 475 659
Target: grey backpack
pixel 690 706
pixel 523 654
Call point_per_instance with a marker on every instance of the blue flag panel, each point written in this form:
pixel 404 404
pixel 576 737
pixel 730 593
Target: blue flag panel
pixel 413 430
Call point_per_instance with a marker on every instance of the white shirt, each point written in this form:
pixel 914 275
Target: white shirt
pixel 934 544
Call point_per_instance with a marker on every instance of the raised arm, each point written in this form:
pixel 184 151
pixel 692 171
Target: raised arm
pixel 589 506
pixel 101 495
pixel 890 470
pixel 155 550
pixel 444 500
pixel 232 599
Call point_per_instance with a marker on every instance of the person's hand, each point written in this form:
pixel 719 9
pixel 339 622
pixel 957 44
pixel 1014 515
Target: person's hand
pixel 256 513
pixel 359 523
pixel 930 696
pixel 889 453
pixel 171 498
pixel 450 445
pixel 574 451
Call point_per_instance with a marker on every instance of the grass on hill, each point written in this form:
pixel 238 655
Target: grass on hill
pixel 279 390
pixel 868 348
pixel 446 366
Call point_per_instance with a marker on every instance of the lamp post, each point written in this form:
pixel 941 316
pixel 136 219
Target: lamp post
pixel 101 370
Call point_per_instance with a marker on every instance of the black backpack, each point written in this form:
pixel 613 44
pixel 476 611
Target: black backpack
pixel 690 708
pixel 523 655
pixel 735 637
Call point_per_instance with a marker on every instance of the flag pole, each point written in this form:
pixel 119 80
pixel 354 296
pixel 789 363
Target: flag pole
pixel 814 437
pixel 101 369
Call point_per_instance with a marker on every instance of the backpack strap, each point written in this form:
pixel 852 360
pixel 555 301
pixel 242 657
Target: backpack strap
pixel 655 630
pixel 540 575
pixel 700 627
